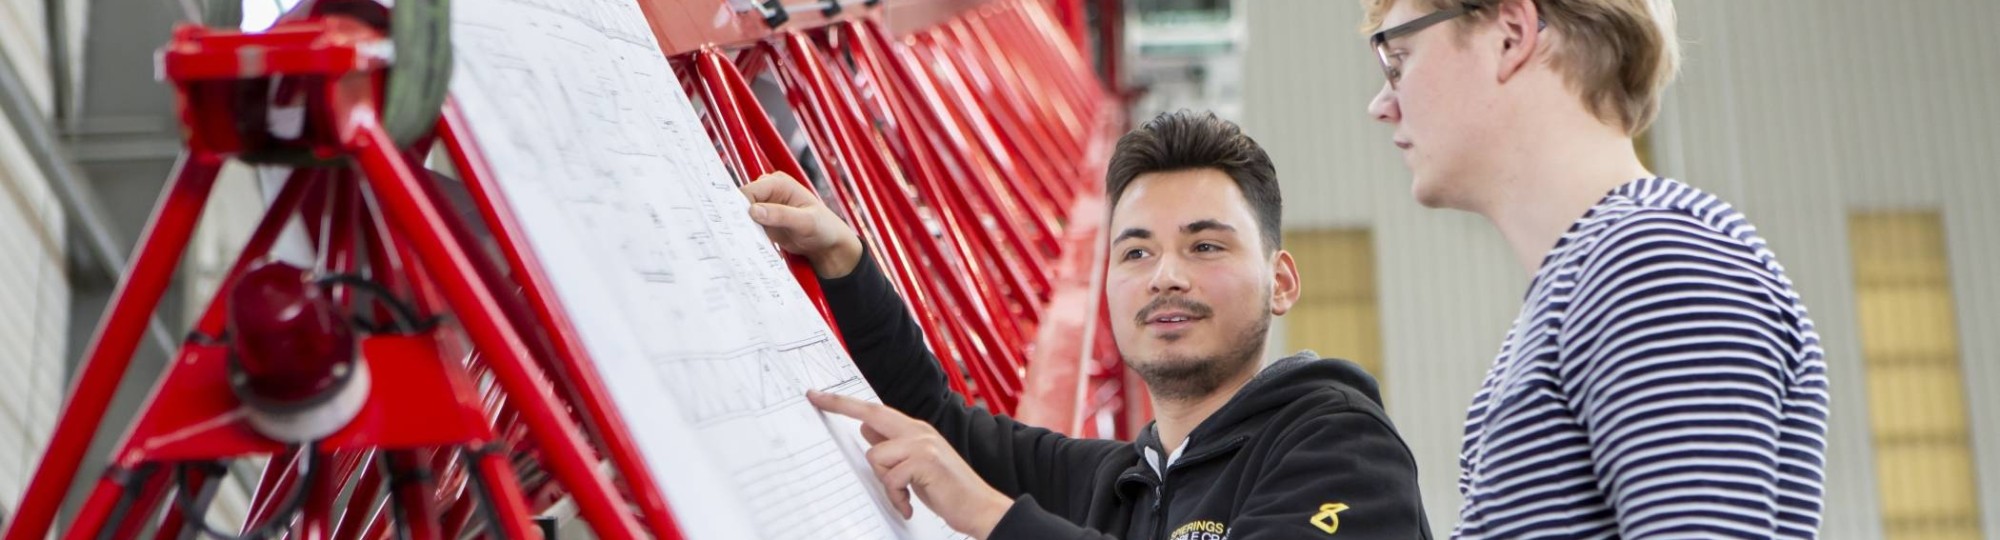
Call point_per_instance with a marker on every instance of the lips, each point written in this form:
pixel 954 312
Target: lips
pixel 1402 144
pixel 1172 313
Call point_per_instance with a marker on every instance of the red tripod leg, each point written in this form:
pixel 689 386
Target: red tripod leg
pixel 111 502
pixel 590 392
pixel 139 511
pixel 420 219
pixel 110 352
pixel 504 494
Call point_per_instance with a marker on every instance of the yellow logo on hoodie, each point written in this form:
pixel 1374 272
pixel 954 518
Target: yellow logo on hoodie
pixel 1328 518
pixel 1201 530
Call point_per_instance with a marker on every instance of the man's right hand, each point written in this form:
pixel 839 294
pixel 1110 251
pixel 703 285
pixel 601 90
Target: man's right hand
pixel 800 223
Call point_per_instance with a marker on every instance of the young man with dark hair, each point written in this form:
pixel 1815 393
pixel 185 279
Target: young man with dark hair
pixel 1662 378
pixel 1298 449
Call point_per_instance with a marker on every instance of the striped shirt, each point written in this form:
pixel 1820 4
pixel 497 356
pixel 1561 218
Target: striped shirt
pixel 1662 379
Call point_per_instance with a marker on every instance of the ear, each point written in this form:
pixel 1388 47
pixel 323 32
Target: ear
pixel 1520 27
pixel 1284 282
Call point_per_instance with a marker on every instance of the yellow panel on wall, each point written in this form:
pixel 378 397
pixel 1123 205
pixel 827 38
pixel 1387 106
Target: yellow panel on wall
pixel 1917 401
pixel 1909 342
pixel 1918 323
pixel 1926 481
pixel 1337 314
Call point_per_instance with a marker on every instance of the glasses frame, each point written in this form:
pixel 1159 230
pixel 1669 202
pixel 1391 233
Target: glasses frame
pixel 1380 40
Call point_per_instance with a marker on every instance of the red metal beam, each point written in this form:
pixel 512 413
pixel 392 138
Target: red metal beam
pixel 589 391
pixel 110 352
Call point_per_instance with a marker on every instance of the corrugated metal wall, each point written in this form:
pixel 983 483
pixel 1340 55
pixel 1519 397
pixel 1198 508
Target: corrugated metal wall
pixel 34 290
pixel 1805 116
pixel 1800 114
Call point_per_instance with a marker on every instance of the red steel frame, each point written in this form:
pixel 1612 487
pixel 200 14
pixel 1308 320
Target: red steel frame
pixel 833 120
pixel 754 148
pixel 939 149
pixel 939 182
pixel 965 103
pixel 1000 281
pixel 589 391
pixel 331 50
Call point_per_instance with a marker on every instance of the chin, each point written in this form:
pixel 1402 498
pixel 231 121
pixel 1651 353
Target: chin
pixel 1437 193
pixel 1167 356
pixel 1174 358
pixel 1427 193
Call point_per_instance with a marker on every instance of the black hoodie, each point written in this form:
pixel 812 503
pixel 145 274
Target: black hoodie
pixel 1302 451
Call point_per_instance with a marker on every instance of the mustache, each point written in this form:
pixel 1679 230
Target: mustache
pixel 1193 308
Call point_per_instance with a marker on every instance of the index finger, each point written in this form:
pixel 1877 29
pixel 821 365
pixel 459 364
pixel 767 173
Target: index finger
pixel 890 423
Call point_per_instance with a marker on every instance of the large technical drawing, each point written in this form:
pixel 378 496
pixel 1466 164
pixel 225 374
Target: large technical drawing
pixel 702 338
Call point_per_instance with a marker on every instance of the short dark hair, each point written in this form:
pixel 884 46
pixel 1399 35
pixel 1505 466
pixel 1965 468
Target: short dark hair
pixel 1185 140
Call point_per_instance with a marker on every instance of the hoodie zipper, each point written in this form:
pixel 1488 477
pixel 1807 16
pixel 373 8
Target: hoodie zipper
pixel 1161 504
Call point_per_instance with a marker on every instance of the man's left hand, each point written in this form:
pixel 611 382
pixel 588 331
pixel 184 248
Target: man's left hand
pixel 909 455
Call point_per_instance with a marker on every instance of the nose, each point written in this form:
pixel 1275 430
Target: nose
pixel 1385 107
pixel 1167 277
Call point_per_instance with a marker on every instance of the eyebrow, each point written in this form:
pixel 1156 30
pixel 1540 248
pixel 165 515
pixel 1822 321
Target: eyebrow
pixel 1134 232
pixel 1206 225
pixel 1190 228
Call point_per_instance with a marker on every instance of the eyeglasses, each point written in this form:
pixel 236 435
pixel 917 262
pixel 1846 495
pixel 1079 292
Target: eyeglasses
pixel 1392 67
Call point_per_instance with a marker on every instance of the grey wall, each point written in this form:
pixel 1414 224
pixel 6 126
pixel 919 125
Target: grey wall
pixel 34 291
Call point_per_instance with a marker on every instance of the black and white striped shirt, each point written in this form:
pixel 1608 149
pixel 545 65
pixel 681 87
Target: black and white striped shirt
pixel 1661 379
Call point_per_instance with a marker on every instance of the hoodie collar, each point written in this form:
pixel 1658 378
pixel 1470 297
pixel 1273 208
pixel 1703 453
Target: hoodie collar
pixel 1275 386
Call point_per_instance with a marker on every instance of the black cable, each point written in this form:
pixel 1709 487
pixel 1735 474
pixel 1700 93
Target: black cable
pixel 407 319
pixel 273 524
pixel 394 487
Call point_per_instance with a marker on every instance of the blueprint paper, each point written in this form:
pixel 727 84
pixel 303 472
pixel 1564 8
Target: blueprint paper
pixel 702 338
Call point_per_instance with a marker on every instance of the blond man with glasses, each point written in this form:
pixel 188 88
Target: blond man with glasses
pixel 1662 378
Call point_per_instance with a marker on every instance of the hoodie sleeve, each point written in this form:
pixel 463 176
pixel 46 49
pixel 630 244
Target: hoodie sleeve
pixel 1028 521
pixel 1015 458
pixel 1342 475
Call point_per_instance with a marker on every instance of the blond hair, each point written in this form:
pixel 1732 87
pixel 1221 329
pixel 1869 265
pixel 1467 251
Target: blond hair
pixel 1618 54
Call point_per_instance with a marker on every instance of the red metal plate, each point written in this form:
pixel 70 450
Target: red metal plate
pixel 193 415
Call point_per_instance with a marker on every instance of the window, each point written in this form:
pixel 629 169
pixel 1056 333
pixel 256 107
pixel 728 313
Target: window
pixel 1337 314
pixel 1909 344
